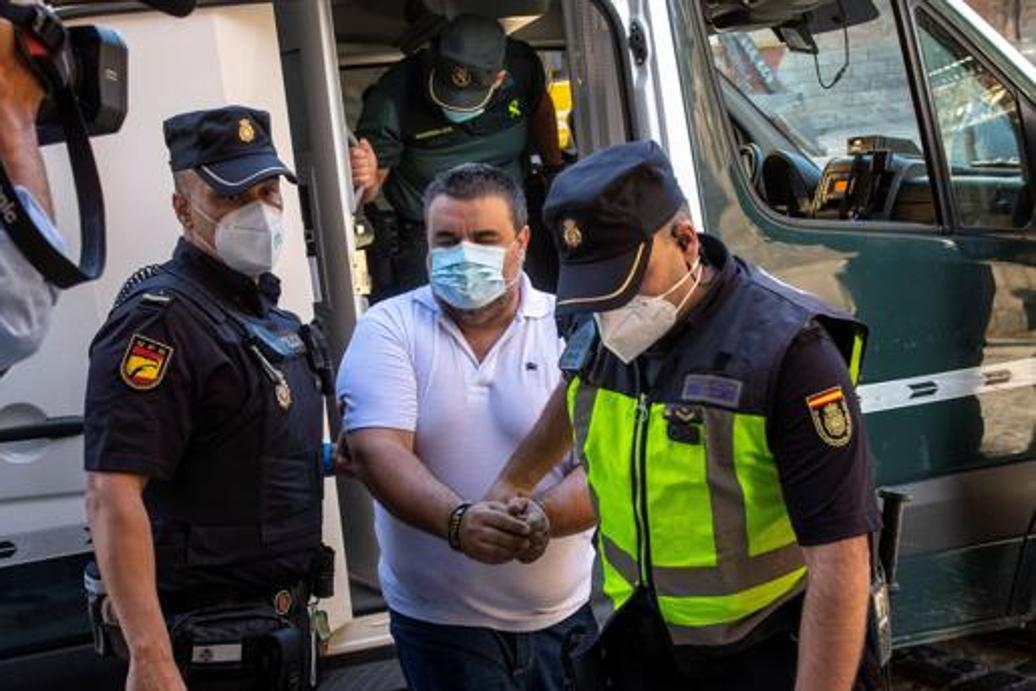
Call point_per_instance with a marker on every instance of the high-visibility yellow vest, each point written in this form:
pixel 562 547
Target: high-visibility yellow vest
pixel 684 481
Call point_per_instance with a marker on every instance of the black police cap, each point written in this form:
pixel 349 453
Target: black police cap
pixel 230 148
pixel 468 57
pixel 603 213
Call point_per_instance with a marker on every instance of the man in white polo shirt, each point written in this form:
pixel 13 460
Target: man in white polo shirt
pixel 439 385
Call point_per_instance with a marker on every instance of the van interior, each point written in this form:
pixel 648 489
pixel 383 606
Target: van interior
pixel 372 36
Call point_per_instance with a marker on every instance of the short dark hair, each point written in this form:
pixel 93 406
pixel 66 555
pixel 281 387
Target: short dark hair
pixel 476 180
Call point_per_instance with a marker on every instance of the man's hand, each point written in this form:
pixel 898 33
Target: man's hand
pixel 364 164
pixel 20 92
pixel 146 674
pixel 531 511
pixel 491 534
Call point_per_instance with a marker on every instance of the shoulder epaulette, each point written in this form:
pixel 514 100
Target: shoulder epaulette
pixel 133 281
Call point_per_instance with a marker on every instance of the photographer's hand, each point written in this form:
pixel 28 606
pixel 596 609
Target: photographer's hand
pixel 20 97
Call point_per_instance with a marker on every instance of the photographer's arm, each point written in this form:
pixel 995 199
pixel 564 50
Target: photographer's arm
pixel 20 98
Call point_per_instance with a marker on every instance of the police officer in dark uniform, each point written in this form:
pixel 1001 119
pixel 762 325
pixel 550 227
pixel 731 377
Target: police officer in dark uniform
pixel 203 429
pixel 474 96
pixel 714 409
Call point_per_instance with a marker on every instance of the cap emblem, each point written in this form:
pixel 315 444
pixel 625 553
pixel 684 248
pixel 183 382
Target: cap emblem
pixel 460 76
pixel 245 131
pixel 571 234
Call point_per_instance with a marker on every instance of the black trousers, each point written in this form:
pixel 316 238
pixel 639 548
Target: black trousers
pixel 634 654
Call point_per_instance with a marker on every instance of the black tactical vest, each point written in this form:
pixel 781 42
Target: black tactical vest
pixel 728 357
pixel 246 500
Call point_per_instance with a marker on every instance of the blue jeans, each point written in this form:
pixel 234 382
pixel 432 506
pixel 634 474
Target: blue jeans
pixel 437 657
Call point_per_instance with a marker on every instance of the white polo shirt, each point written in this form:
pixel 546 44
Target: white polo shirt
pixel 409 367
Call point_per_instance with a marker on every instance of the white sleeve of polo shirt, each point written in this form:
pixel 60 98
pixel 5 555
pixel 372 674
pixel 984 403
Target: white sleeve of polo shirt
pixel 26 300
pixel 376 385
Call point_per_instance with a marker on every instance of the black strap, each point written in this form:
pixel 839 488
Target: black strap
pixel 43 41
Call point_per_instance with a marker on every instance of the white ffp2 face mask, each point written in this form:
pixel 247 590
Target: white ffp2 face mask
pixel 249 239
pixel 631 329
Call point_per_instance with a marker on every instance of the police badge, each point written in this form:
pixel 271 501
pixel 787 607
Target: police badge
pixel 831 416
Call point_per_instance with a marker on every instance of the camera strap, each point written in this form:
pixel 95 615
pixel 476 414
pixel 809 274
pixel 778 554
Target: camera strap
pixel 42 40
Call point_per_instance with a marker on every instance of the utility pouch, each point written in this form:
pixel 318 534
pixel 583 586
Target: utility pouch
pixel 237 642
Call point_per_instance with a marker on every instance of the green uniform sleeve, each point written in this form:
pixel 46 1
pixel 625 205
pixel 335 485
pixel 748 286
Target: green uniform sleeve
pixel 527 70
pixel 379 124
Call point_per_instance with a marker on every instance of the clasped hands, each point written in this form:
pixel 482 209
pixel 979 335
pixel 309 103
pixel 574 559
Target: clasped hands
pixel 495 530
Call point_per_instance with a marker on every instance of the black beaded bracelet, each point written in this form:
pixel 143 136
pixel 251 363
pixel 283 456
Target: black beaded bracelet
pixel 453 526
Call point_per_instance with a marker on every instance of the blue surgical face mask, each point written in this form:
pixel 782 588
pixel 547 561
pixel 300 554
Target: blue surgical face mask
pixel 459 117
pixel 468 275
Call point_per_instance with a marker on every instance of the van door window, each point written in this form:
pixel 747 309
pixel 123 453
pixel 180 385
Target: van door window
pixel 826 123
pixel 980 132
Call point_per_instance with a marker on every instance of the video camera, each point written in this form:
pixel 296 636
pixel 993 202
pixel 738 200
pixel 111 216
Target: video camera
pixel 83 69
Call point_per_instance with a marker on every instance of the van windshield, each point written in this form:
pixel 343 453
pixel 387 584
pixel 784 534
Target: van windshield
pixel 794 90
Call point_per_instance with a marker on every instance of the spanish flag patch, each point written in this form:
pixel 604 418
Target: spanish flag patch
pixel 145 362
pixel 831 416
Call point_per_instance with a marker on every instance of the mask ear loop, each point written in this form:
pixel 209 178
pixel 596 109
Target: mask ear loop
pixel 204 215
pixel 700 268
pixel 521 268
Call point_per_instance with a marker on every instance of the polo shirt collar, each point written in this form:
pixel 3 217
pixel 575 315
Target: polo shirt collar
pixel 533 304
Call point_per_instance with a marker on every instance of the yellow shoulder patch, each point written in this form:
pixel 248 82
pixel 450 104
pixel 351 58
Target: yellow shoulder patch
pixel 145 363
pixel 831 416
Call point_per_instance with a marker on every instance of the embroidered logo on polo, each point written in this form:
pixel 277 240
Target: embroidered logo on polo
pixel 514 109
pixel 145 363
pixel 708 388
pixel 831 416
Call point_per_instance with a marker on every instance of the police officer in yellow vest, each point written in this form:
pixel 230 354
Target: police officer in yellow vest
pixel 714 411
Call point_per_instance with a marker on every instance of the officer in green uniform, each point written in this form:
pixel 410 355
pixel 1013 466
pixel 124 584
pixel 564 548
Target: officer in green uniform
pixel 713 408
pixel 475 96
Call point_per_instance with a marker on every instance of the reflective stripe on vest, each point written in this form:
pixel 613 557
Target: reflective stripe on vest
pixel 723 554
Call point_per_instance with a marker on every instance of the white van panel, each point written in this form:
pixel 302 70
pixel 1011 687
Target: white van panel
pixel 214 57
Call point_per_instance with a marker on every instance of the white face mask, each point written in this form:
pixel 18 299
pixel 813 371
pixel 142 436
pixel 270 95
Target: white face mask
pixel 249 239
pixel 631 329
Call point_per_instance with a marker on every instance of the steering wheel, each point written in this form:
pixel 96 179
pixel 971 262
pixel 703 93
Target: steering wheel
pixel 752 159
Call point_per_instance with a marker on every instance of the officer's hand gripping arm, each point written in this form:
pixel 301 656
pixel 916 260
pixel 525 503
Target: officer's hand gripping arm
pixel 121 535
